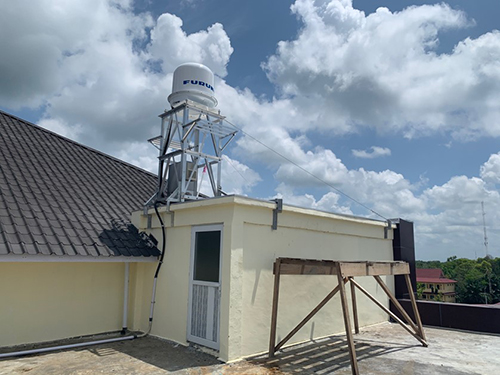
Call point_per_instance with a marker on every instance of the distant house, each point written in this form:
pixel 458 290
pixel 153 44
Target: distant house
pixel 437 286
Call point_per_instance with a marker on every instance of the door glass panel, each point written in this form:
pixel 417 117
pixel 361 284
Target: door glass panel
pixel 207 256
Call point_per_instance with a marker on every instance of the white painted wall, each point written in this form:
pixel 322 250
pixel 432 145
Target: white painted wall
pixel 171 308
pixel 50 301
pixel 300 294
pixel 249 250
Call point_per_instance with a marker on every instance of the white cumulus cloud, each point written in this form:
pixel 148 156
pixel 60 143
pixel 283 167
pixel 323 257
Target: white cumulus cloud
pixel 490 171
pixel 382 70
pixel 82 62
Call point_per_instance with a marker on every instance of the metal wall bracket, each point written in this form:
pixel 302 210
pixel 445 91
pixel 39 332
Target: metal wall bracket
pixel 387 228
pixel 276 211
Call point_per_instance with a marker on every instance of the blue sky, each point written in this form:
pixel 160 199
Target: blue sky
pixel 397 107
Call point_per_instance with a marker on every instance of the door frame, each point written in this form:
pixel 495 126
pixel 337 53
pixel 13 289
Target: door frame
pixel 195 229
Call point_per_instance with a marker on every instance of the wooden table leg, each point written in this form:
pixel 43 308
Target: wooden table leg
pixel 354 306
pixel 347 322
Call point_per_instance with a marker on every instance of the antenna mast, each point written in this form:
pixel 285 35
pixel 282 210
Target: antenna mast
pixel 484 228
pixel 192 139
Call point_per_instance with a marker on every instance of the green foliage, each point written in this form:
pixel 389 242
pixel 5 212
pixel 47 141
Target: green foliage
pixel 429 264
pixel 478 280
pixel 420 290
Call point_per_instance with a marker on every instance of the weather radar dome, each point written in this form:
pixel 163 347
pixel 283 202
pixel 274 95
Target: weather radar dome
pixel 195 82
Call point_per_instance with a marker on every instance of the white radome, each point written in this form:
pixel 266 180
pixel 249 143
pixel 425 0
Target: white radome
pixel 195 82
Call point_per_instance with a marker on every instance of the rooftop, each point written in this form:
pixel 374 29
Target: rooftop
pixel 382 349
pixel 59 198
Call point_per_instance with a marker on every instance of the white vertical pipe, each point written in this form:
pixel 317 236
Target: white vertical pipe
pixel 153 300
pixel 125 297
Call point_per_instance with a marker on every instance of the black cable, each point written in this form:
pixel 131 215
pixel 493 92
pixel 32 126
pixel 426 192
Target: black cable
pixel 163 245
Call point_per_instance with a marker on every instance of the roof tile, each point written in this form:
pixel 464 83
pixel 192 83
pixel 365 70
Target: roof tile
pixel 70 199
pixel 16 248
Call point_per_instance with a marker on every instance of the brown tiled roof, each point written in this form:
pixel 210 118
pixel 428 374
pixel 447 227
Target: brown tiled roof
pixel 432 275
pixel 58 197
pixel 430 272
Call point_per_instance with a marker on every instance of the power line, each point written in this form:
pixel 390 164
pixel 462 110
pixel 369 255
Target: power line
pixel 309 173
pixel 237 171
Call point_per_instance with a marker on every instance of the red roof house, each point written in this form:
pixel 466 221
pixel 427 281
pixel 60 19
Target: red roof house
pixel 437 286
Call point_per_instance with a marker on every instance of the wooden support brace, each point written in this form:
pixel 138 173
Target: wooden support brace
pixel 414 306
pixel 390 313
pixel 397 304
pixel 308 317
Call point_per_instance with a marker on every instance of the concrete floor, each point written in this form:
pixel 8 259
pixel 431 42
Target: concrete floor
pixel 381 349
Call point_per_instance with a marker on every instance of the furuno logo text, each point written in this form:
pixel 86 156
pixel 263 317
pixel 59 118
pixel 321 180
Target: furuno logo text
pixel 201 83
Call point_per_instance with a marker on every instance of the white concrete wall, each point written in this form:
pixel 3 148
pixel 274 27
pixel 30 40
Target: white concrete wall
pixel 172 294
pixel 249 250
pixel 301 233
pixel 300 294
pixel 49 301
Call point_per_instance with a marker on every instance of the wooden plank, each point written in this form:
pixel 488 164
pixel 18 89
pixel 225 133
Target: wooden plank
pixel 307 269
pixel 396 303
pixel 291 269
pixel 312 262
pixel 354 307
pixel 387 268
pixel 378 269
pixel 353 268
pixel 347 322
pixel 415 307
pixel 374 268
pixel 297 266
pixel 390 313
pixel 400 268
pixel 274 312
pixel 319 270
pixel 308 317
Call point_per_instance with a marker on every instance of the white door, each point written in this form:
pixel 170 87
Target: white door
pixel 204 293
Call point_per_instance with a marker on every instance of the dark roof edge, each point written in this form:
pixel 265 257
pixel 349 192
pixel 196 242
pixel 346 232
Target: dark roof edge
pixel 40 258
pixel 78 144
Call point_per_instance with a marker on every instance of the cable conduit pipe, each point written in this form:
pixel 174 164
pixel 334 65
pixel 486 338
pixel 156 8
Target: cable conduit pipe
pixel 125 298
pixel 155 280
pixel 69 346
